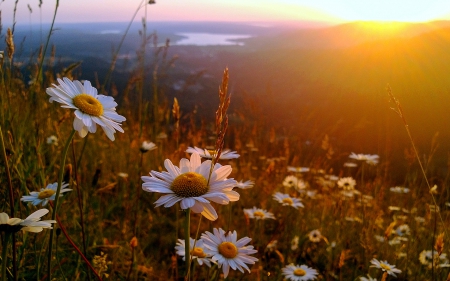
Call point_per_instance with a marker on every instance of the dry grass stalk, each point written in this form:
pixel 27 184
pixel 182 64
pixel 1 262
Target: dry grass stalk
pixel 384 277
pixel 439 245
pixel 221 115
pixel 10 43
pixel 388 231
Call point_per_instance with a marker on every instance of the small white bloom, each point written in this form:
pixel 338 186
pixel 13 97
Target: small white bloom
pixel 45 194
pixel 32 223
pixel 245 185
pixel 369 278
pixel 258 214
pixel 205 153
pixel 227 251
pixel 315 236
pixel 399 189
pixel 299 272
pixel 197 253
pixel 52 140
pixel 347 183
pixel 385 266
pixel 147 146
pixel 287 200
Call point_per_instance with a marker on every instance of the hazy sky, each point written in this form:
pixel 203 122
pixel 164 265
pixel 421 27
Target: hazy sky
pixel 227 10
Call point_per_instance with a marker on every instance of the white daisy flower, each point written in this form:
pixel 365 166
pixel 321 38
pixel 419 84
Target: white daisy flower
pixel 399 189
pixel 315 236
pixel 294 182
pixel 52 140
pixel 227 251
pixel 369 158
pixel 403 230
pixel 385 266
pixel 287 200
pixel 298 169
pixel 425 258
pixel 299 272
pixel 197 253
pixel 369 278
pixel 258 214
pixel 147 146
pixel 90 108
pixel 205 153
pixel 32 223
pixel 45 194
pixel 245 184
pixel 189 185
pixel 347 183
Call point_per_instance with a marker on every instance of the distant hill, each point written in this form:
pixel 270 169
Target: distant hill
pixel 307 81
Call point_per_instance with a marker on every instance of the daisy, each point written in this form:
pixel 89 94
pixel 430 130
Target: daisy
pixel 298 169
pixel 403 230
pixel 385 266
pixel 189 185
pixel 299 272
pixel 245 185
pixel 399 189
pixel 90 108
pixel 32 223
pixel 147 146
pixel 347 183
pixel 369 158
pixel 227 251
pixel 258 214
pixel 294 182
pixel 52 140
pixel 439 260
pixel 45 195
pixel 205 153
pixel 369 278
pixel 286 200
pixel 315 236
pixel 197 253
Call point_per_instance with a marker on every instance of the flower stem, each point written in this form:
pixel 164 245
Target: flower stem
pixel 4 255
pixel 55 209
pixel 11 198
pixel 187 237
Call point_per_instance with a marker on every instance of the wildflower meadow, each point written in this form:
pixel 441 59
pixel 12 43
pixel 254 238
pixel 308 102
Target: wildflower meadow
pixel 101 185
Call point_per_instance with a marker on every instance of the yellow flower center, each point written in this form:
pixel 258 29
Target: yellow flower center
pixel 299 272
pixel 385 266
pixel 88 104
pixel 259 214
pixel 288 200
pixel 46 193
pixel 189 184
pixel 198 252
pixel 228 250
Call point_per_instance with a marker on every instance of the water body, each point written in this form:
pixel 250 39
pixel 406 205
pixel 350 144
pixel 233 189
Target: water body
pixel 208 39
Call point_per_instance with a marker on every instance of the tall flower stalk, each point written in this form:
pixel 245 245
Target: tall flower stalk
pixel 55 208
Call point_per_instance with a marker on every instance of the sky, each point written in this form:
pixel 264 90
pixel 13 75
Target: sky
pixel 226 10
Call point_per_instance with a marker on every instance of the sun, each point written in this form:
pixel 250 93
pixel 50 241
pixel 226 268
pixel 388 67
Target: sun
pixel 386 10
pixel 363 10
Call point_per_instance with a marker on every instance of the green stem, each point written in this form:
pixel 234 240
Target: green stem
pixel 4 255
pixel 55 208
pixel 187 236
pixel 11 198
